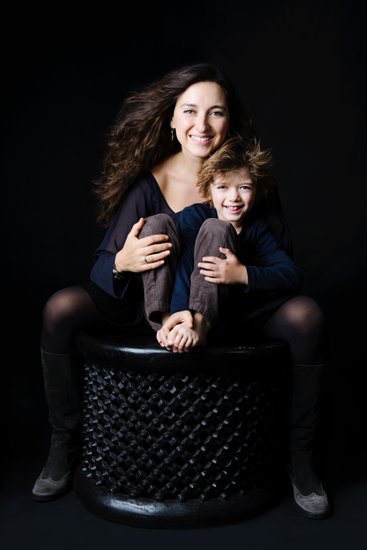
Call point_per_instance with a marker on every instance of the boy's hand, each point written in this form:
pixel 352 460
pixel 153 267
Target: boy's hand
pixel 228 271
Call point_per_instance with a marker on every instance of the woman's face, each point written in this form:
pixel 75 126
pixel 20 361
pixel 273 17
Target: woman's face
pixel 201 119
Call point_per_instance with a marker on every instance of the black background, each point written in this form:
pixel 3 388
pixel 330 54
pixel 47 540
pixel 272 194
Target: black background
pixel 300 69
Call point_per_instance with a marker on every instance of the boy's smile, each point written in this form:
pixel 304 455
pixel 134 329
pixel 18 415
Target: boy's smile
pixel 233 195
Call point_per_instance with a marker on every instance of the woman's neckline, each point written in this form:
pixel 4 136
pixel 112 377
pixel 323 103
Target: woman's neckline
pixel 151 175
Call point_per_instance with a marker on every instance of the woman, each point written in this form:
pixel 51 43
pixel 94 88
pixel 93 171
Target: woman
pixel 161 138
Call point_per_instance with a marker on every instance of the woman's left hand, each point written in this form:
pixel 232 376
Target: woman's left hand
pixel 228 271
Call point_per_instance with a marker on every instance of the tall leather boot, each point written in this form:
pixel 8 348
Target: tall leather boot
pixel 304 406
pixel 62 380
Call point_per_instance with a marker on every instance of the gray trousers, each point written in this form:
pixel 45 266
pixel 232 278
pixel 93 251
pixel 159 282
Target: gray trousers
pixel 157 283
pixel 205 297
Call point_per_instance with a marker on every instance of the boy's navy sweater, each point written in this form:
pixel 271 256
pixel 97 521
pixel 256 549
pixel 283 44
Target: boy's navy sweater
pixel 269 267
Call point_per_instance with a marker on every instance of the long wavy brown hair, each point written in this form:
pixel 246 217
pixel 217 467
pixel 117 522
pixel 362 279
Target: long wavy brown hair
pixel 141 136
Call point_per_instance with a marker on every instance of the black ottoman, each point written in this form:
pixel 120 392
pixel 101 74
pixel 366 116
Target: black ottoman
pixel 181 440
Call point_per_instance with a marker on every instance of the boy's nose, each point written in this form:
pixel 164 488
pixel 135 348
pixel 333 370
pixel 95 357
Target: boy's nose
pixel 234 196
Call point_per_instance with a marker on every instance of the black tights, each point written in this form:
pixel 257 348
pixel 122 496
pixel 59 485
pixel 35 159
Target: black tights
pixel 65 313
pixel 299 321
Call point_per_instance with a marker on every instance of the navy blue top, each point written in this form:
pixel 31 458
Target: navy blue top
pixel 269 267
pixel 144 198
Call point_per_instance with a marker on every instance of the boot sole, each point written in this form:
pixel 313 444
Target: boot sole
pixel 310 515
pixel 54 496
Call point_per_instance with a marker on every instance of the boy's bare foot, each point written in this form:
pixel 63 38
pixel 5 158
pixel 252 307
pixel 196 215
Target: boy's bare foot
pixel 201 327
pixel 182 339
pixel 170 321
pixel 181 332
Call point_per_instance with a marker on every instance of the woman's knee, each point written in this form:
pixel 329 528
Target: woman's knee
pixel 301 322
pixel 57 308
pixel 305 316
pixel 65 312
pixel 65 306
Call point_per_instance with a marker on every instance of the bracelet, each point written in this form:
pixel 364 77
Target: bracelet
pixel 116 274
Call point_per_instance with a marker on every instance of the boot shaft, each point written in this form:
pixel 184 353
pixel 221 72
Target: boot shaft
pixel 304 401
pixel 63 386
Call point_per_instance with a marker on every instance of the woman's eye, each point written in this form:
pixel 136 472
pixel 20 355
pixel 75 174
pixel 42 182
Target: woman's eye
pixel 189 111
pixel 217 113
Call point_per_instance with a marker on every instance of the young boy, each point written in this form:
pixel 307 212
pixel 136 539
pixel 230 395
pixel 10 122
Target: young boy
pixel 232 272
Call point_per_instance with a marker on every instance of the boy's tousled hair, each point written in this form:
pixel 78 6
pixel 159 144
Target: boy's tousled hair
pixel 234 154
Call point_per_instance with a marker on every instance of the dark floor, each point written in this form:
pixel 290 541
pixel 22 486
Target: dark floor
pixel 66 524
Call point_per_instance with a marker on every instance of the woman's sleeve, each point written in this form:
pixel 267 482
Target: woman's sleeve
pixel 276 270
pixel 135 205
pixel 272 212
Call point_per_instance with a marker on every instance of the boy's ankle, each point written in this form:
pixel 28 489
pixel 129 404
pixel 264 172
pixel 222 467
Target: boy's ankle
pixel 201 327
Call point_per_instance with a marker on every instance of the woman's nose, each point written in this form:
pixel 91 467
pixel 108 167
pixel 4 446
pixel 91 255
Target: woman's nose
pixel 201 123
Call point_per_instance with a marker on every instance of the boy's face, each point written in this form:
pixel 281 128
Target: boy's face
pixel 233 195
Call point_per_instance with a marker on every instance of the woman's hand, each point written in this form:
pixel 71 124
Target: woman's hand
pixel 139 255
pixel 227 271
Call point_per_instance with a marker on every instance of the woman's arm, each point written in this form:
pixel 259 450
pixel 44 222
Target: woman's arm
pixel 276 270
pixel 271 211
pixel 121 252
